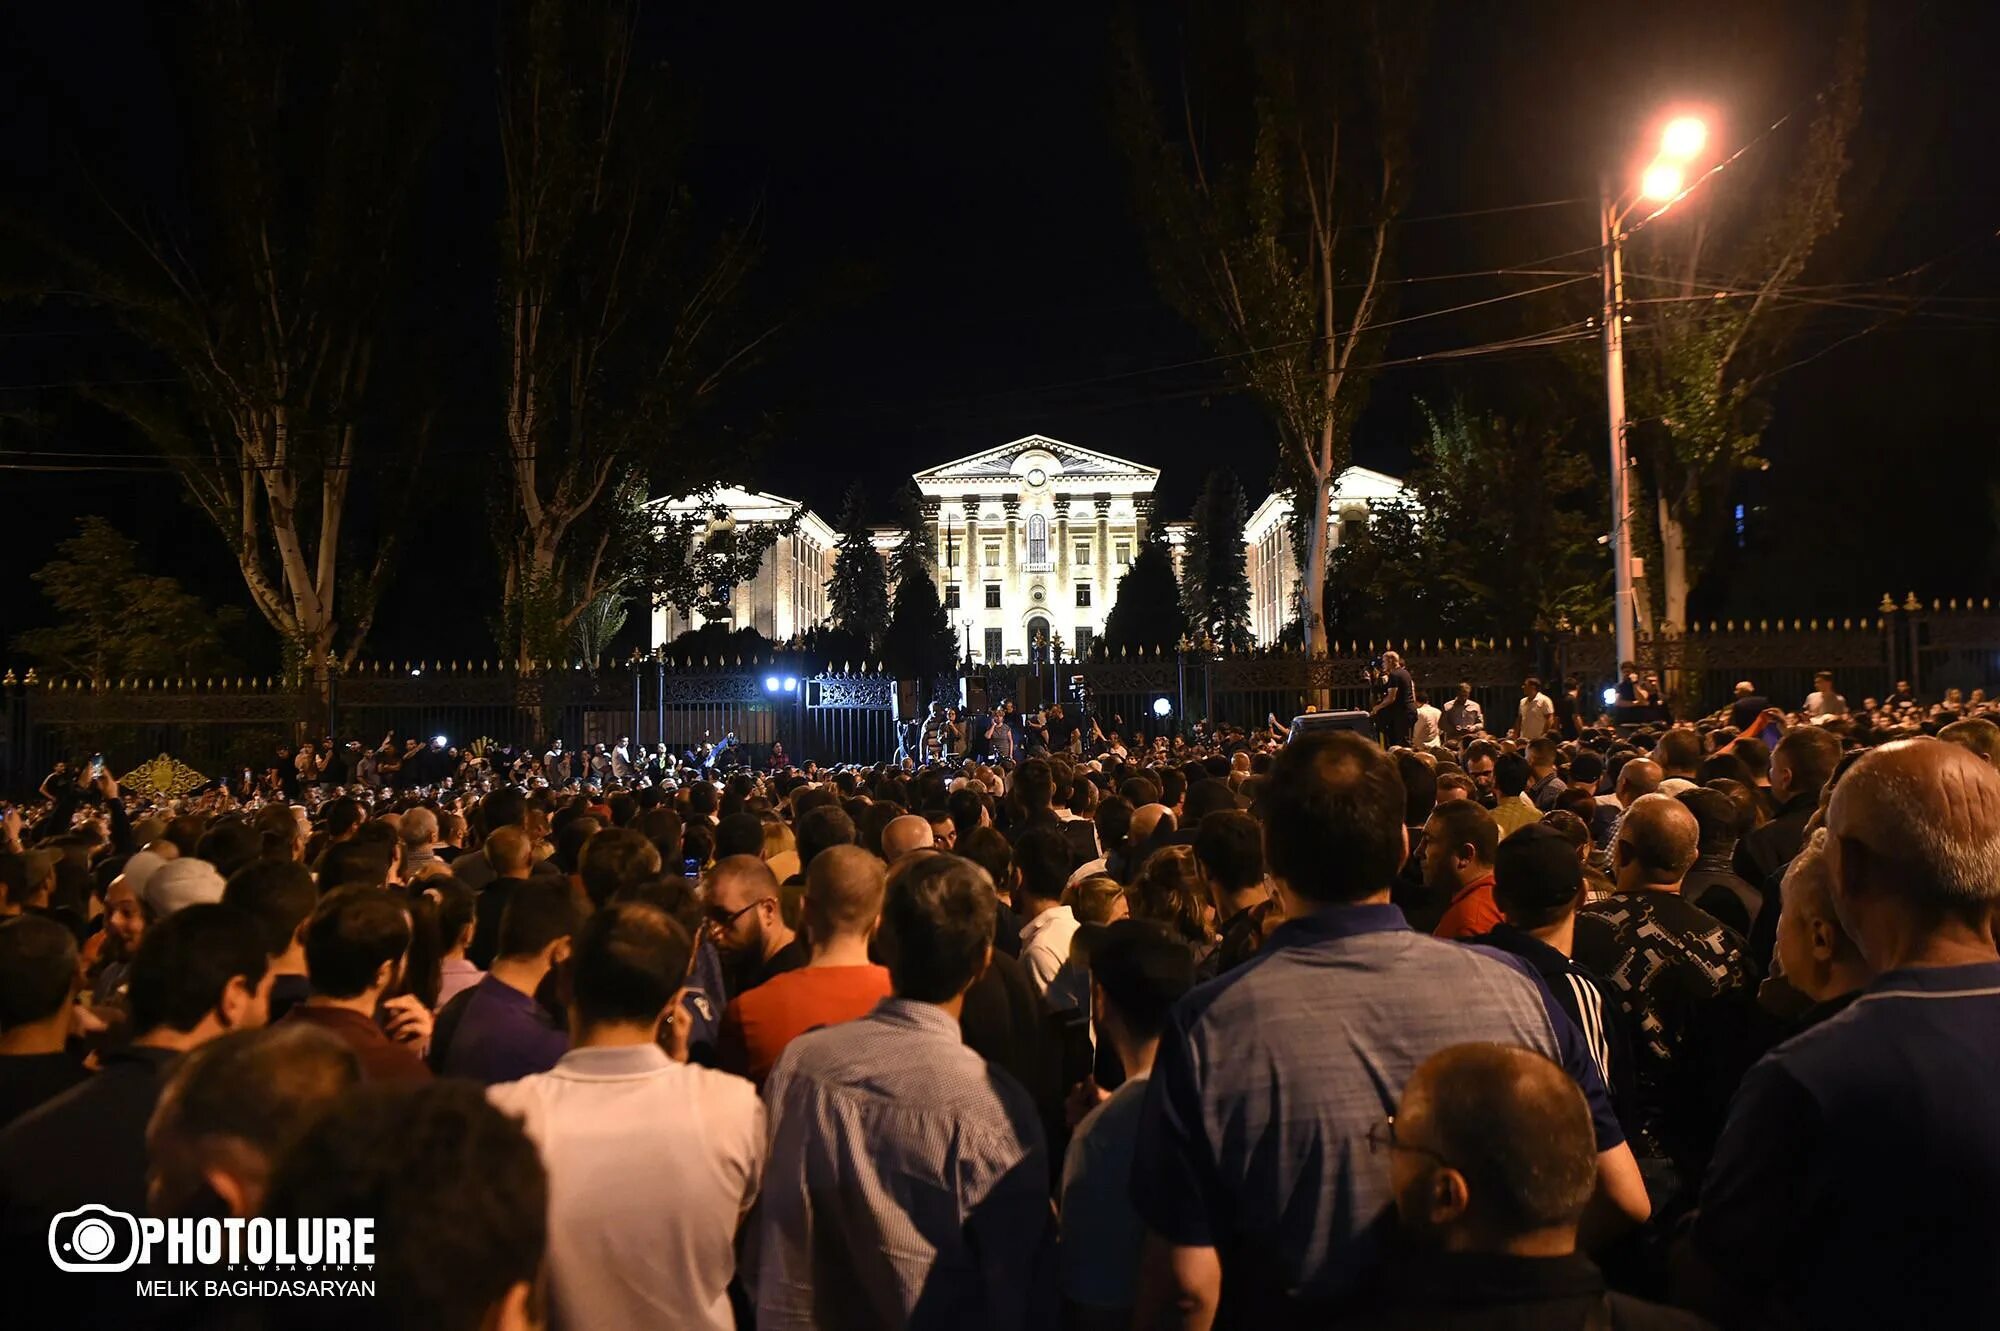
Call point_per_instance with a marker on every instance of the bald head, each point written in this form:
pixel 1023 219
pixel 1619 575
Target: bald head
pixel 737 881
pixel 843 894
pixel 1976 734
pixel 904 834
pixel 1517 1135
pixel 1640 776
pixel 1146 820
pixel 1658 841
pixel 1915 827
pixel 510 852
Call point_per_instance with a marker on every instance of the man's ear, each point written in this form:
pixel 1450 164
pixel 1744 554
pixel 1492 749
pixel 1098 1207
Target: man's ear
pixel 1446 1197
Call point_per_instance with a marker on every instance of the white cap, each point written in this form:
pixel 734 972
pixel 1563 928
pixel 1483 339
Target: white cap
pixel 183 882
pixel 139 868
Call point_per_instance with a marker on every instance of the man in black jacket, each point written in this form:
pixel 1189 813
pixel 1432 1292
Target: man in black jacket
pixel 1801 765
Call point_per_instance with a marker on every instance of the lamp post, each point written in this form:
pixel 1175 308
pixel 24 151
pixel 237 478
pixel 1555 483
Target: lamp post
pixel 1662 182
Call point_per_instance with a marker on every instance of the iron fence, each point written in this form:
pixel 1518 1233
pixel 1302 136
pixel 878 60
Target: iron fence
pixel 218 727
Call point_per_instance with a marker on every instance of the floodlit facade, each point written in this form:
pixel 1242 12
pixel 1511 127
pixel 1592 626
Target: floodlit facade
pixel 1030 541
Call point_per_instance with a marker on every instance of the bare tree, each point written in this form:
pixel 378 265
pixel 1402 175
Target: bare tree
pixel 617 324
pixel 266 304
pixel 1269 192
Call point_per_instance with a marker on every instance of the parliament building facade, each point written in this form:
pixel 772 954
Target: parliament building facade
pixel 1031 539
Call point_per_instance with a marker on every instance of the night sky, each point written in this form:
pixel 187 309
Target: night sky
pixel 951 240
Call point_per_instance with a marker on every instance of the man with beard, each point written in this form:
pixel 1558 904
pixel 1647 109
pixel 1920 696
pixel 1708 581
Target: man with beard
pixel 747 926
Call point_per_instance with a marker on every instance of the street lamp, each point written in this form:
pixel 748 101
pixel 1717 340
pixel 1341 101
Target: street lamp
pixel 1661 183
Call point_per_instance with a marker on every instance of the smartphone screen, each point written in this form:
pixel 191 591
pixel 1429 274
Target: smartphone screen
pixel 691 868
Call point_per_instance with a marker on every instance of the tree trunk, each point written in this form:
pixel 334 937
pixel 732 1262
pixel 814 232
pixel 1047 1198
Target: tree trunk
pixel 1673 569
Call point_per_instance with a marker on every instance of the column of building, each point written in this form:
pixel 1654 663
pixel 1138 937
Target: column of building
pixel 1102 503
pixel 1010 577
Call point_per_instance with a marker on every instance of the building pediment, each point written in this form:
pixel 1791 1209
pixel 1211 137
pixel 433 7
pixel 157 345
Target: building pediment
pixel 1061 463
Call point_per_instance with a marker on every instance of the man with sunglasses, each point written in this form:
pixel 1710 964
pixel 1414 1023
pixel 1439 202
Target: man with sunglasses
pixel 746 925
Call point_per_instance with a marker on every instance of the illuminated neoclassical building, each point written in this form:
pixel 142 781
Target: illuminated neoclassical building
pixel 1031 539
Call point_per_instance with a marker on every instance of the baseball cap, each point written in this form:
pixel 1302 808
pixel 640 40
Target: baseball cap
pixel 1536 869
pixel 183 882
pixel 41 863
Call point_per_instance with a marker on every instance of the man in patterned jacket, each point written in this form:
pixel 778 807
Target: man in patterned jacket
pixel 1683 982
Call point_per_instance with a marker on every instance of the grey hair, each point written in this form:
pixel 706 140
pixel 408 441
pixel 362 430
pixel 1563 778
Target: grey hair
pixel 1956 860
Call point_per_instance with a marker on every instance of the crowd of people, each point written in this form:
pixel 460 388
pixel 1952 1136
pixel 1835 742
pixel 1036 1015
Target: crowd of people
pixel 1531 1021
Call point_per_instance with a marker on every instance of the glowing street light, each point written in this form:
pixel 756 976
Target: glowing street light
pixel 1684 138
pixel 1662 183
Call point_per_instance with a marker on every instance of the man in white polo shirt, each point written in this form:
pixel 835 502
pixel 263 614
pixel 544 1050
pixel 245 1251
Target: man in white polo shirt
pixel 652 1164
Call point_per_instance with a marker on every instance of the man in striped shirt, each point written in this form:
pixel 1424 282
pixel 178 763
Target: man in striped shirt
pixel 1537 884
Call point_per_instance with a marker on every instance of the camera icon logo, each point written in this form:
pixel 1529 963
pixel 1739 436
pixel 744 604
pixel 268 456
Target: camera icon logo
pixel 94 1238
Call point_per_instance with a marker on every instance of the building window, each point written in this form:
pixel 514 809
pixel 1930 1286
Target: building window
pixel 1124 549
pixel 993 556
pixel 1083 595
pixel 1083 552
pixel 1085 635
pixel 951 597
pixel 993 646
pixel 1038 541
pixel 992 596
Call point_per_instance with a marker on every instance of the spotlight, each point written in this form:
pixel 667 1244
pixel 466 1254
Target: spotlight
pixel 1161 708
pixel 791 683
pixel 1611 697
pixel 770 683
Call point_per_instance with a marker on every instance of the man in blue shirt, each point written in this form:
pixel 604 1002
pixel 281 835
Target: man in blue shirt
pixel 1854 1182
pixel 496 1031
pixel 1252 1171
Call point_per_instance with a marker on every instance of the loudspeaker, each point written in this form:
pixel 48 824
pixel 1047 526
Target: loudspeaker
pixel 909 700
pixel 975 693
pixel 1028 691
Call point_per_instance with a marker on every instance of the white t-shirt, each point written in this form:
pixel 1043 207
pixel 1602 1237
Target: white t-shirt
pixel 1045 944
pixel 1424 733
pixel 1825 704
pixel 1536 714
pixel 652 1164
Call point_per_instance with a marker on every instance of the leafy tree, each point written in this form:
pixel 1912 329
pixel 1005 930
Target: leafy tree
pixel 116 620
pixel 859 591
pixel 716 641
pixel 1215 578
pixel 265 309
pixel 617 325
pixel 919 643
pixel 1512 510
pixel 1147 609
pixel 1270 203
pixel 1382 581
pixel 1713 273
pixel 694 562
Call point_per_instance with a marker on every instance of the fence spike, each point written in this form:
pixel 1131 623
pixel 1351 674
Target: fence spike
pixel 1763 626
pixel 1936 605
pixel 1847 623
pixel 1954 603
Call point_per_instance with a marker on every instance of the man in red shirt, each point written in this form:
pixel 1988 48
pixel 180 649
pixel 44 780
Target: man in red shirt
pixel 843 906
pixel 1459 842
pixel 356 945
